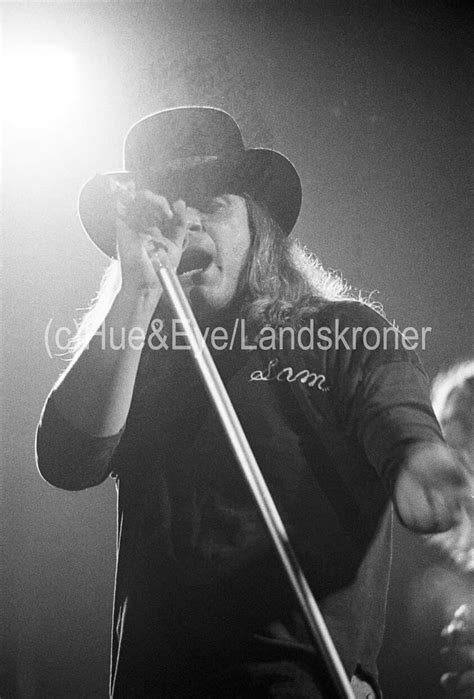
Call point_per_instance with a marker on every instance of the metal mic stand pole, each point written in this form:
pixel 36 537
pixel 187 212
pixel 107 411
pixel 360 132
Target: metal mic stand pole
pixel 243 453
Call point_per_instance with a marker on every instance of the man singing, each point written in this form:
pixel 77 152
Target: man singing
pixel 202 606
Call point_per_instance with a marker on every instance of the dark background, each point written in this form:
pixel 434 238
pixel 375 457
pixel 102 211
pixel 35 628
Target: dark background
pixel 371 102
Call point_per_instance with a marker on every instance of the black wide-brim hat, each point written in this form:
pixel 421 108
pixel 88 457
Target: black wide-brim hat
pixel 191 153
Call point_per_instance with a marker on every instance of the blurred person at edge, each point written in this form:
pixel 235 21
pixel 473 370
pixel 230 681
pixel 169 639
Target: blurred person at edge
pixel 452 396
pixel 202 608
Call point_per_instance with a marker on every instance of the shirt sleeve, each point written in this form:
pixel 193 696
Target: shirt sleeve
pixel 381 391
pixel 69 458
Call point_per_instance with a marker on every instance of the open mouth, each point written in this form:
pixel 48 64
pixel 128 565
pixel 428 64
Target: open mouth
pixel 193 261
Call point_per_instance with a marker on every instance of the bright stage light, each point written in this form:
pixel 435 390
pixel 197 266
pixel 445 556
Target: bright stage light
pixel 38 85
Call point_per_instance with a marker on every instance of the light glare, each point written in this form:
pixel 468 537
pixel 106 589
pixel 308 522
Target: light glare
pixel 38 85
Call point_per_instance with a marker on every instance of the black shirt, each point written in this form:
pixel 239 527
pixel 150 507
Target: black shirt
pixel 199 588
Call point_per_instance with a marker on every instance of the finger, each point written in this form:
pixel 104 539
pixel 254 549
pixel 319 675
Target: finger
pixel 464 684
pixel 458 633
pixel 152 210
pixel 460 625
pixel 458 657
pixel 153 238
pixel 459 686
pixel 132 244
pixel 177 227
pixel 463 612
pixel 448 681
pixel 156 201
pixel 179 211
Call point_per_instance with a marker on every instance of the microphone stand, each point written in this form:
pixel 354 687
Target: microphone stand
pixel 314 620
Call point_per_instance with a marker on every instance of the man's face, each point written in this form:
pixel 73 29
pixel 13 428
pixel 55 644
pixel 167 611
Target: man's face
pixel 215 251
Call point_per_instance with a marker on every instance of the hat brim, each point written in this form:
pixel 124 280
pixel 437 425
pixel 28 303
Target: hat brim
pixel 266 175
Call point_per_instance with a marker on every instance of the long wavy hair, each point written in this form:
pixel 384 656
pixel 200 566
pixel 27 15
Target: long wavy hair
pixel 281 283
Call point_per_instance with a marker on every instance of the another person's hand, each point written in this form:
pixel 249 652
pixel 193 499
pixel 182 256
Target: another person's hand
pixel 458 654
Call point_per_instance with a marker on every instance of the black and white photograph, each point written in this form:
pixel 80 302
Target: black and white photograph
pixel 237 349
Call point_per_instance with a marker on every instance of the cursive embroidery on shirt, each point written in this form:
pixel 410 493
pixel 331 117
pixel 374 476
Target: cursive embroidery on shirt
pixel 274 373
